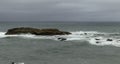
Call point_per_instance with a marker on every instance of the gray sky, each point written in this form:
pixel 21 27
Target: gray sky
pixel 59 10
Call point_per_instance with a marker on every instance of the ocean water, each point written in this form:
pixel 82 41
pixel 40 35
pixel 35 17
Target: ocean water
pixel 89 43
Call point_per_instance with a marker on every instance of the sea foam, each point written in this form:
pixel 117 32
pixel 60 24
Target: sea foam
pixel 93 37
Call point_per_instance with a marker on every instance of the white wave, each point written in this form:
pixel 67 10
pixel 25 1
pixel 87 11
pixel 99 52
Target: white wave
pixel 93 37
pixel 2 35
pixel 103 42
pixel 96 38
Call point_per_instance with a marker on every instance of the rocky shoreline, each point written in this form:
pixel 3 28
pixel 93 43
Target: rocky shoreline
pixel 35 31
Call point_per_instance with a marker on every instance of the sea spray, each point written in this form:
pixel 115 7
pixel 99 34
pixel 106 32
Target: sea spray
pixel 93 37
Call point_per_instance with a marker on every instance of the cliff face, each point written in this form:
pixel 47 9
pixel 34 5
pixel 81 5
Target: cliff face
pixel 35 31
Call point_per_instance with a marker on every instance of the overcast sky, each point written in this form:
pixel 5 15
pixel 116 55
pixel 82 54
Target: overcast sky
pixel 59 10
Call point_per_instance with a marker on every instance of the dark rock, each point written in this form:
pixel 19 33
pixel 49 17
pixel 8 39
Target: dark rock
pixel 109 40
pixel 97 39
pixel 62 39
pixel 85 33
pixel 17 63
pixel 35 31
pixel 97 42
pixel 12 62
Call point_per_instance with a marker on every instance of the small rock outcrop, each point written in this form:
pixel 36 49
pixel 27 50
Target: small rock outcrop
pixel 35 31
pixel 62 39
pixel 97 39
pixel 109 40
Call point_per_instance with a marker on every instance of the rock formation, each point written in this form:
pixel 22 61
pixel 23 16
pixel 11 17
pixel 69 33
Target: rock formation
pixel 35 31
pixel 109 40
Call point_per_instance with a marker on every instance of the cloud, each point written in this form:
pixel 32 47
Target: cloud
pixel 59 10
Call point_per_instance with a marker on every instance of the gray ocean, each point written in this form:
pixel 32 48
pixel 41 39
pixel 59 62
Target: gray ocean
pixel 79 48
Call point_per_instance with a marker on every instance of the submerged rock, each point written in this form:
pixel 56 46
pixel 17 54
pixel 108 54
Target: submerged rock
pixel 17 63
pixel 97 42
pixel 62 39
pixel 97 39
pixel 109 40
pixel 35 31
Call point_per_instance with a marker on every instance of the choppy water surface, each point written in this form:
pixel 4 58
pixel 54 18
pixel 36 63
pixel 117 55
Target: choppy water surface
pixel 89 43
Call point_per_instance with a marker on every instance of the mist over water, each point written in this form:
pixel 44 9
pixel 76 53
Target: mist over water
pixel 79 48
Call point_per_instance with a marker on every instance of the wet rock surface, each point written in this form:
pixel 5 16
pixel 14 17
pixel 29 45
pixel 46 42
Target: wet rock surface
pixel 109 40
pixel 36 31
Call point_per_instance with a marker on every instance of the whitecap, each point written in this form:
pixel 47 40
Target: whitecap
pixel 93 37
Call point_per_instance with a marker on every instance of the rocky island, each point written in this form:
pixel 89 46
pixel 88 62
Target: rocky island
pixel 35 31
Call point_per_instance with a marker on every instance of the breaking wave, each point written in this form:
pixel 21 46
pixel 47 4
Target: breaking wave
pixel 93 37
